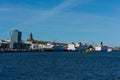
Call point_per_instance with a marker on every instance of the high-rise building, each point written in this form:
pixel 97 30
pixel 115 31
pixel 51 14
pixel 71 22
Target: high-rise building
pixel 16 39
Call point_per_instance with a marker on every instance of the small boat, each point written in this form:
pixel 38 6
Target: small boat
pixel 86 51
pixel 109 50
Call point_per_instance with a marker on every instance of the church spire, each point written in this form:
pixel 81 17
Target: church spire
pixel 30 38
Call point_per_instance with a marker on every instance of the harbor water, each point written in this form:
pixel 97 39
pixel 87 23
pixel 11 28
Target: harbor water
pixel 60 66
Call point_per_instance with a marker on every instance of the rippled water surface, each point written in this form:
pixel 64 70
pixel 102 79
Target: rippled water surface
pixel 60 66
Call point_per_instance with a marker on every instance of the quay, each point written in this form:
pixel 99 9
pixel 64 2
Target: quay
pixel 42 50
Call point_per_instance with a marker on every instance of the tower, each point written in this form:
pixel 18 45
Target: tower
pixel 16 39
pixel 101 43
pixel 30 38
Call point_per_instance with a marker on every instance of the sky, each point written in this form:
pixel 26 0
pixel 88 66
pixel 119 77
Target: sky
pixel 67 21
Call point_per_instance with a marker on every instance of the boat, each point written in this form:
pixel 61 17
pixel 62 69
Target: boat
pixel 109 50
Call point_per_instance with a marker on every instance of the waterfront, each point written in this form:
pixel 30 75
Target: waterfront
pixel 59 66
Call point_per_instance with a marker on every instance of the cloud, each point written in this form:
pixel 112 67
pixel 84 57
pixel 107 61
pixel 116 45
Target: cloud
pixel 65 4
pixel 5 9
pixel 61 6
pixel 46 14
pixel 43 15
pixel 116 10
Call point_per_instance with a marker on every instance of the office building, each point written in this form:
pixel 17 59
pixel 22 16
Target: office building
pixel 16 39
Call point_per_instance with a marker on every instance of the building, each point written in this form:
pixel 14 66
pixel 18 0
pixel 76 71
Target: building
pixel 4 45
pixel 101 47
pixel 77 47
pixel 31 38
pixel 16 39
pixel 81 47
pixel 71 47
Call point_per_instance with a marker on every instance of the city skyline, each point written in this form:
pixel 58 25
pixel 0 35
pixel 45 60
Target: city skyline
pixel 62 20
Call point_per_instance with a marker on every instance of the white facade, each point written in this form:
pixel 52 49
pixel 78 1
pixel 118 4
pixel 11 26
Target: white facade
pixel 27 42
pixel 53 47
pixel 8 41
pixel 34 46
pixel 48 46
pixel 98 48
pixel 101 48
pixel 3 41
pixel 71 47
pixel 77 47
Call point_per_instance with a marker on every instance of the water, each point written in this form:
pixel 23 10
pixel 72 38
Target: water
pixel 60 66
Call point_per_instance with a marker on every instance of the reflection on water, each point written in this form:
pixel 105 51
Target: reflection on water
pixel 60 66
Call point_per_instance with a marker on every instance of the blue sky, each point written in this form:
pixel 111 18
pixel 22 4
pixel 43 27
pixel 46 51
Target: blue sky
pixel 62 20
